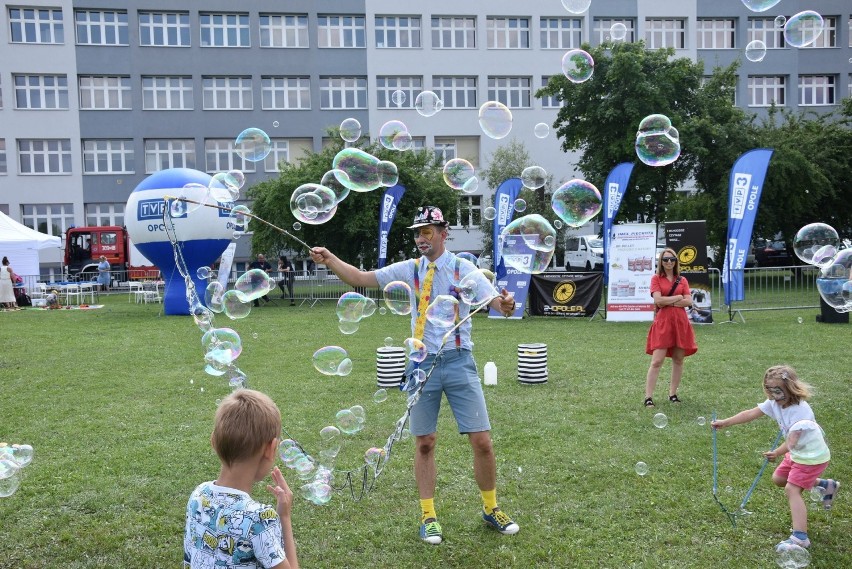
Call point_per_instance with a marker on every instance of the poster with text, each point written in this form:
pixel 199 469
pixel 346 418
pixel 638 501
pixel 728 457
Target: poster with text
pixel 689 240
pixel 632 262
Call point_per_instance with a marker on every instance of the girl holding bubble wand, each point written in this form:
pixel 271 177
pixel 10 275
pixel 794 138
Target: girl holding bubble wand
pixel 805 453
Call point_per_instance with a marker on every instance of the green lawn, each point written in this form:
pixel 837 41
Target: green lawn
pixel 112 401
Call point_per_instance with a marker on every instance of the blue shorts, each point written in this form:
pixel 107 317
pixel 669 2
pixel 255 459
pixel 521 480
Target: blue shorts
pixel 457 377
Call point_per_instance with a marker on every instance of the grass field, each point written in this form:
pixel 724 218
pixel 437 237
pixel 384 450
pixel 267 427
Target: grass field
pixel 112 401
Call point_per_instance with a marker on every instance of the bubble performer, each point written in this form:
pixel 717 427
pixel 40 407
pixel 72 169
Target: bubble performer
pixel 436 272
pixel 805 452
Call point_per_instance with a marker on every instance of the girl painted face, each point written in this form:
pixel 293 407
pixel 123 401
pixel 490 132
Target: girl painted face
pixel 774 389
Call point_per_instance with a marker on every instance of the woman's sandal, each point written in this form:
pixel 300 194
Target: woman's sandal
pixel 649 402
pixel 674 398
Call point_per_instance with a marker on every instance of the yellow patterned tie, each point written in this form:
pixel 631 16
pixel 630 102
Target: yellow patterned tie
pixel 425 294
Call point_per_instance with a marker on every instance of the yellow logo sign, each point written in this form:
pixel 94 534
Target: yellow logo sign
pixel 564 291
pixel 687 255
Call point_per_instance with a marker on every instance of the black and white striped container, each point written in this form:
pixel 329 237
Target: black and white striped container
pixel 390 365
pixel 532 363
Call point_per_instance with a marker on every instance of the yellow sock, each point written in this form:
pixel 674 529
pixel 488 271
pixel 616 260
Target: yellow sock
pixel 489 500
pixel 427 506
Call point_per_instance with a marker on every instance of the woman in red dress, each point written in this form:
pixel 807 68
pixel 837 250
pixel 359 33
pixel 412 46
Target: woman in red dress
pixel 671 332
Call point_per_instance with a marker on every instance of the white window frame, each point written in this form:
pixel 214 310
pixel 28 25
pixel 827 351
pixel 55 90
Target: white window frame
pixel 828 37
pixel 105 92
pixel 514 92
pixel 603 29
pixel 279 150
pixel 284 30
pixel 224 29
pixel 285 93
pixel 453 32
pixel 446 149
pixel 62 215
pixel 507 32
pixel 386 85
pixel 715 33
pixel 763 29
pixel 343 92
pixel 109 26
pixel 665 32
pixel 41 92
pixel 817 90
pixel 4 165
pixel 108 156
pixel 164 153
pixel 226 93
pixel 220 156
pixel 469 206
pixel 768 86
pixel 456 92
pixel 172 27
pixel 102 214
pixel 347 31
pixel 549 102
pixel 44 157
pixel 32 24
pixel 404 32
pixel 167 93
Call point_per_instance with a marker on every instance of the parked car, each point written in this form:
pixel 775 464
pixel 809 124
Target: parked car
pixel 584 252
pixel 714 260
pixel 773 253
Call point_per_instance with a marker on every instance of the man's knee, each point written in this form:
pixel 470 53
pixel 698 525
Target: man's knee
pixel 481 442
pixel 426 444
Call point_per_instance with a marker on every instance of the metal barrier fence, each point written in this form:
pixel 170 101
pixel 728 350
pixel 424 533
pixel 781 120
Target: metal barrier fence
pixel 769 288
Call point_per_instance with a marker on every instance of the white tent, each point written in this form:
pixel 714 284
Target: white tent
pixel 21 245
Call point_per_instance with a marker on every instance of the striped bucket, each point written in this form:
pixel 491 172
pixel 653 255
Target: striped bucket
pixel 390 365
pixel 532 363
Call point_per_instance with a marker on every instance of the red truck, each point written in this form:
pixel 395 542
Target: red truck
pixel 85 245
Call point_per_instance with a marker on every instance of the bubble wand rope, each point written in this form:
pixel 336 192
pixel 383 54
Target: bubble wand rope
pixel 760 472
pixel 731 517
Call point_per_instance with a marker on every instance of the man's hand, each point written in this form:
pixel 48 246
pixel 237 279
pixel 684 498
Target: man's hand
pixel 320 255
pixel 506 303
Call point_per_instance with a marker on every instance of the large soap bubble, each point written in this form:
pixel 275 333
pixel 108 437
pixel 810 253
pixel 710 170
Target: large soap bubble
pixel 364 172
pixel 314 203
pixel 213 296
pixel 812 239
pixel 428 103
pixel 578 65
pixel 835 281
pixel 791 556
pixel 755 50
pixel 618 31
pixel 350 130
pixel 397 296
pixel 576 6
pixel 254 284
pixel 394 135
pixel 415 349
pixel 495 119
pixel 528 243
pixel 803 29
pixel 332 360
pixel 458 173
pixel 760 5
pixel 657 141
pixel 442 311
pixel 221 345
pixel 477 287
pixel 252 144
pixel 534 177
pixel 353 306
pixel 576 202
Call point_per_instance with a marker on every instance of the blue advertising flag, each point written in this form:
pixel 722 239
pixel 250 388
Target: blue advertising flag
pixel 616 187
pixel 746 183
pixel 504 202
pixel 387 213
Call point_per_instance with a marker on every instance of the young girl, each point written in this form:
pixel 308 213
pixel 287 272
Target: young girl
pixel 805 453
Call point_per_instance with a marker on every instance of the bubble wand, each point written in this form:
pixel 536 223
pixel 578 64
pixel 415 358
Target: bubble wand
pixel 759 472
pixel 731 516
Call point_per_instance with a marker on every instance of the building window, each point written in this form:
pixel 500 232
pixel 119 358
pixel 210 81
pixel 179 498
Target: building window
pixel 292 93
pixel 850 31
pixel 343 92
pixel 341 31
pixel 51 156
pixel 507 33
pixel 468 212
pixel 514 92
pixel 108 157
pixel 3 164
pixel 763 91
pixel 226 93
pixel 220 156
pixel 161 154
pixel 36 25
pixel 41 91
pixel 52 219
pixel 385 87
pixel 101 214
pixel 549 102
pixel 716 33
pixel 665 32
pixel 279 152
pixel 397 31
pixel 225 30
pixel 828 37
pixel 166 93
pixel 763 29
pixel 101 27
pixel 817 90
pixel 445 150
pixel 603 29
pixel 450 32
pixel 165 29
pixel 104 92
pixel 283 30
pixel 456 92
pixel 561 33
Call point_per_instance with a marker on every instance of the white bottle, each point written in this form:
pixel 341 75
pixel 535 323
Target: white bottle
pixel 490 374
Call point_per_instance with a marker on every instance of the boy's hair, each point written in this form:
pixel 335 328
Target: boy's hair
pixel 245 421
pixel 796 389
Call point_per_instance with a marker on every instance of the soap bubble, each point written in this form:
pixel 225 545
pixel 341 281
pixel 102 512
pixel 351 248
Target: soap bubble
pixel 618 31
pixel 213 296
pixel 780 21
pixel 641 468
pixel 799 320
pixel 657 142
pixel 519 205
pixel 235 305
pixel 10 484
pixel 557 223
pixel 413 380
pixel 755 50
pixel 468 257
pixel 834 283
pixel 701 421
pixel 522 244
pixel 330 180
pixel 203 273
pixel 495 119
pixel 816 493
pixel 471 185
pixel 428 103
pixel 541 130
pixel 398 97
pixel 374 455
pixel 660 420
pixel 254 284
pixel 348 327
pixel 813 237
pixel 415 349
pixel 388 342
pixel 348 422
pixel 22 454
pixel 489 213
pixel 576 6
pixel 380 396
pixel 803 29
pixel 364 172
pixel 397 296
pixel 394 135
pixel 313 203
pixel 276 124
pixel 477 287
pixel 352 307
pixel 332 360
pixel 791 556
pixel 224 187
pixel 458 172
pixel 252 144
pixel 221 346
pixel 760 5
pixel 578 66
pixel 441 312
pixel 297 226
pixel 350 130
pixel 534 177
pixel 240 216
pixel 576 202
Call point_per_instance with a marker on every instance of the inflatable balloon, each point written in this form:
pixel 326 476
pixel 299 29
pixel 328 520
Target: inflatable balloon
pixel 203 232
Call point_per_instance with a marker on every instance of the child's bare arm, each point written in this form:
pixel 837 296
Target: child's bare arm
pixel 741 417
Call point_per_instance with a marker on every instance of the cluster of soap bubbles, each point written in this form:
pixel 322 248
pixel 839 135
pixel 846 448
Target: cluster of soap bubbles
pixel 222 191
pixel 236 303
pixel 791 556
pixel 460 174
pixel 12 459
pixel 657 141
pixel 818 244
pixel 352 307
pixel 394 135
pixel 332 360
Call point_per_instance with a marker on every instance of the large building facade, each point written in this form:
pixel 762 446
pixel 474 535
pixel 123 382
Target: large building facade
pixel 96 95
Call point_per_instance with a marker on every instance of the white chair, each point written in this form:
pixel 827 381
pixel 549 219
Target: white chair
pixel 38 291
pixel 87 289
pixel 72 292
pixel 151 293
pixel 133 290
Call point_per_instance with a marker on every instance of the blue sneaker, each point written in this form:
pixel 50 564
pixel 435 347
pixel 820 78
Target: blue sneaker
pixel 430 531
pixel 501 522
pixel 829 493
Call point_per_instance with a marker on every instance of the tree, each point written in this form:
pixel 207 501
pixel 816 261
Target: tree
pixel 353 231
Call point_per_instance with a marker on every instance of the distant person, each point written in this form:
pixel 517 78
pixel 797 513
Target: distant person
pixel 671 333
pixel 289 275
pixel 103 273
pixel 52 300
pixel 225 526
pixel 263 264
pixel 7 286
pixel 806 455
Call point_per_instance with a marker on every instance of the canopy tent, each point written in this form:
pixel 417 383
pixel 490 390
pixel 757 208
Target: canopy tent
pixel 21 245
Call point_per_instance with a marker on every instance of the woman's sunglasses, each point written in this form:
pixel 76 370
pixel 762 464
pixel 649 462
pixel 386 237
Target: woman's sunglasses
pixel 669 259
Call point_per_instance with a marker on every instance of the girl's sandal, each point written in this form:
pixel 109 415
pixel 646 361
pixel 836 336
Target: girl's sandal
pixel 674 398
pixel 649 402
